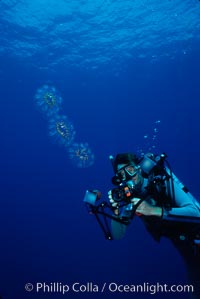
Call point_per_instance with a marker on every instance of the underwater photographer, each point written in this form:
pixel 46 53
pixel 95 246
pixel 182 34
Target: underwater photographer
pixel 157 194
pixel 147 187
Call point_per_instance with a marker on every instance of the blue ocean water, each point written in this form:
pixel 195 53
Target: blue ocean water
pixel 128 74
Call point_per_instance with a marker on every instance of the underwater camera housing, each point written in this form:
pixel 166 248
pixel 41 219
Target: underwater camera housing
pixel 124 193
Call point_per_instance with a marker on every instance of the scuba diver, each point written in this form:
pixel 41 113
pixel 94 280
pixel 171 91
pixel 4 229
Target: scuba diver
pixel 147 187
pixel 161 196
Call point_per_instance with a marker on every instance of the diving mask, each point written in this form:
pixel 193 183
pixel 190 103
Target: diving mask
pixel 127 172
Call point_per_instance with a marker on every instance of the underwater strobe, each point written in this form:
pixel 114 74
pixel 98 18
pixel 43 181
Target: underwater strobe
pixel 61 129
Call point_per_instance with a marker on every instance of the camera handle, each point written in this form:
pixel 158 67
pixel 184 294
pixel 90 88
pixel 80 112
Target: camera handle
pixel 99 210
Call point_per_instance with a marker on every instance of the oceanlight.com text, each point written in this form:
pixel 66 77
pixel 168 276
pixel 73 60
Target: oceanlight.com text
pixel 109 287
pixel 150 288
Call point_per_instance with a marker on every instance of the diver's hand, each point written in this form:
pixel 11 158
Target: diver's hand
pixel 113 203
pixel 147 209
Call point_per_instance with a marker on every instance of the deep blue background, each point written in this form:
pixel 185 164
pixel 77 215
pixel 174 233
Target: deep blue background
pixel 45 232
